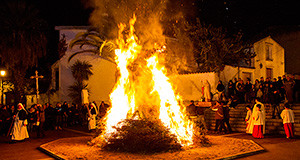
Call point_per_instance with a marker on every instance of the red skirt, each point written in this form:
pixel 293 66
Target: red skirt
pixel 289 129
pixel 258 131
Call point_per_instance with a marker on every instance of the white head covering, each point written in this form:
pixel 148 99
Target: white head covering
pixel 20 104
pixel 93 105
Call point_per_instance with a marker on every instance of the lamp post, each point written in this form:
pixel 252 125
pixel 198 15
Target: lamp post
pixel 2 74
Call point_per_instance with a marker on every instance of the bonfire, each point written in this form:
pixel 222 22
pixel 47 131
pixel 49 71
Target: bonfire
pixel 144 106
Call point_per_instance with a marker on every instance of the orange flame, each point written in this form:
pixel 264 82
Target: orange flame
pixel 144 89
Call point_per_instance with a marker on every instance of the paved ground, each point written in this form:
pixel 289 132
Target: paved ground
pixel 277 146
pixel 28 150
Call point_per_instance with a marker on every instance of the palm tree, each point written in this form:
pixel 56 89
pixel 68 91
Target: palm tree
pixel 95 44
pixel 81 71
pixel 22 40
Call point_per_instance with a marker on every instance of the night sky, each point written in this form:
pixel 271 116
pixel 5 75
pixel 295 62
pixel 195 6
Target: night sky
pixel 251 17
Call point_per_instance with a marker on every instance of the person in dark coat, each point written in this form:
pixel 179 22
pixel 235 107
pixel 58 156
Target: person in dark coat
pixel 191 109
pixel 248 87
pixel 231 88
pixel 274 100
pixel 59 116
pixel 65 117
pixel 5 120
pixel 226 117
pixel 289 86
pixel 220 89
pixel 50 117
pixel 281 88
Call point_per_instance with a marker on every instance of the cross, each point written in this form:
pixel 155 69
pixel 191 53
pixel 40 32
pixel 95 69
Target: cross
pixel 37 84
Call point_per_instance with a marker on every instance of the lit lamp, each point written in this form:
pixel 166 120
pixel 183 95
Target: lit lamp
pixel 2 74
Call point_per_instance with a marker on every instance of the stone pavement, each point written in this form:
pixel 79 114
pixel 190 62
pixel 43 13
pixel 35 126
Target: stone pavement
pixel 27 150
pixel 277 146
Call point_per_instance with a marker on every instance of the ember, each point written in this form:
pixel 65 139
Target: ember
pixel 144 89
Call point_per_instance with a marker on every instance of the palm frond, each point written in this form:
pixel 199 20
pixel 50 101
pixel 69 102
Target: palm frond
pixel 83 51
pixel 93 39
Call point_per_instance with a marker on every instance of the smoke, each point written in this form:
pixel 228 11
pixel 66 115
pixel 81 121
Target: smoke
pixel 108 14
pixel 154 20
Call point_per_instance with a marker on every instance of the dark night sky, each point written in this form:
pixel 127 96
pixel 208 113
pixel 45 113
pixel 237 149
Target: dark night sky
pixel 249 16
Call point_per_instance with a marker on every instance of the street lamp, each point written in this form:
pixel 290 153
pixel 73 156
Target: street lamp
pixel 2 74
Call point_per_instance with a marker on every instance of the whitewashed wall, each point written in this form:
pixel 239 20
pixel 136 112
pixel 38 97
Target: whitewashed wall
pixel 189 86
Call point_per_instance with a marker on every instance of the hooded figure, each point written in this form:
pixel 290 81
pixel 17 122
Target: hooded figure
pixel 19 130
pixel 92 112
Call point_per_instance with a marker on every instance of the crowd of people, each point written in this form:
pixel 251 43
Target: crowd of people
pixel 19 122
pixel 268 90
pixel 263 91
pixel 255 119
pixel 272 91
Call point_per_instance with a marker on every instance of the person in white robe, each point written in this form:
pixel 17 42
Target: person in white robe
pixel 248 116
pixel 288 121
pixel 19 131
pixel 258 120
pixel 250 126
pixel 92 113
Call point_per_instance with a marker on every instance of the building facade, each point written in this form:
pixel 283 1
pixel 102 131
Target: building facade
pixel 100 83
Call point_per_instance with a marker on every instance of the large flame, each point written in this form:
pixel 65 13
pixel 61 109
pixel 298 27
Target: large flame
pixel 143 90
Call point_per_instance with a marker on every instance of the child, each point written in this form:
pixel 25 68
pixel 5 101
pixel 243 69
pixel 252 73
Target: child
pixel 248 117
pixel 288 121
pixel 258 123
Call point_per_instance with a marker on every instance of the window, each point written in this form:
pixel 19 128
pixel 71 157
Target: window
pixel 269 51
pixel 250 62
pixel 269 73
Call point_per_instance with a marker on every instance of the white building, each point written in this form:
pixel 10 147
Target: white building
pixel 268 62
pixel 100 83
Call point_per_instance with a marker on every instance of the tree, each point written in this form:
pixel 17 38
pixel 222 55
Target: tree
pixel 22 40
pixel 81 71
pixel 94 43
pixel 214 49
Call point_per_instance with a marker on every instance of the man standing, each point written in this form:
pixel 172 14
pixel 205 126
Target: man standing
pixel 288 86
pixel 191 110
pixel 59 116
pixel 19 130
pixel 220 89
pixel 5 120
pixel 219 116
pixel 226 117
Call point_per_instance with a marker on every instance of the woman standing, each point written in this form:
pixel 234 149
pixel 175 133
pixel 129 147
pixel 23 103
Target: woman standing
pixel 19 130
